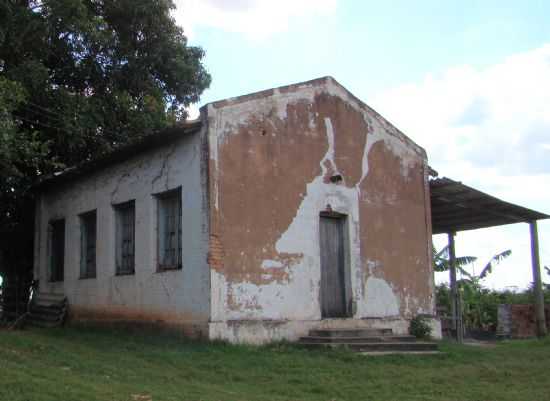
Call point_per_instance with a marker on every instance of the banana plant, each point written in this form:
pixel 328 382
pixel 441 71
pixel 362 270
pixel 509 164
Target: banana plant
pixel 476 313
pixel 441 260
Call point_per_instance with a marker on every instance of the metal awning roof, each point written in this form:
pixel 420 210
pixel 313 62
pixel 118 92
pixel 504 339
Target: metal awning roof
pixel 458 207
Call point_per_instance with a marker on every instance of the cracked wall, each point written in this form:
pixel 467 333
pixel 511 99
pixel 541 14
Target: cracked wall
pixel 271 158
pixel 178 297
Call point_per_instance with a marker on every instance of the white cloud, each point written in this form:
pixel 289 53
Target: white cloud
pixel 496 118
pixel 489 128
pixel 257 19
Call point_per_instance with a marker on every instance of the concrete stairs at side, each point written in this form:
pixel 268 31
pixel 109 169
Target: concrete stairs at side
pixel 47 310
pixel 370 341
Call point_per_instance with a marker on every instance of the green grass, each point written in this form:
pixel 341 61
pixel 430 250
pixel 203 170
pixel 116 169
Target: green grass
pixel 100 364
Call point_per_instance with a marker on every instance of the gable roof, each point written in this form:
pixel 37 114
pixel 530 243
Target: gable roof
pixel 169 135
pixel 148 142
pixel 326 82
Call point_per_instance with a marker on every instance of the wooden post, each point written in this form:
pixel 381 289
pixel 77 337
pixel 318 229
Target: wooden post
pixel 456 309
pixel 537 282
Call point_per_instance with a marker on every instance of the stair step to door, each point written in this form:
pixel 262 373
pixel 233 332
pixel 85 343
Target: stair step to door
pixel 47 310
pixel 382 353
pixel 350 332
pixel 44 317
pixel 49 299
pixel 42 323
pixel 379 346
pixel 366 340
pixel 358 339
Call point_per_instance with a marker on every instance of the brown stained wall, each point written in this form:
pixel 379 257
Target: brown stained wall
pixel 127 316
pixel 263 177
pixel 393 229
pixel 270 164
pixel 267 164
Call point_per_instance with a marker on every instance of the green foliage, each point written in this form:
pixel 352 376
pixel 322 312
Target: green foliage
pixel 96 365
pixel 419 327
pixel 480 305
pixel 499 257
pixel 80 77
pixel 441 261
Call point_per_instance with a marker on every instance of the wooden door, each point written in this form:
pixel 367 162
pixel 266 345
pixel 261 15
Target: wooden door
pixel 333 269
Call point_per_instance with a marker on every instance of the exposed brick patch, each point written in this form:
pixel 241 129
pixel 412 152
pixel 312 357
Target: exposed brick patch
pixel 215 252
pixel 518 321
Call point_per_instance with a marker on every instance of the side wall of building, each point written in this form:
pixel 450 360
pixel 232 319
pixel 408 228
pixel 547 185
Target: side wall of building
pixel 178 298
pixel 272 156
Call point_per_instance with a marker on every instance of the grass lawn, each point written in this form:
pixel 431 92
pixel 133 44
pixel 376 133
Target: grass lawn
pixel 100 364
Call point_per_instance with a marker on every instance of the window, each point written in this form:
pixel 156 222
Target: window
pixel 169 230
pixel 57 249
pixel 125 214
pixel 88 244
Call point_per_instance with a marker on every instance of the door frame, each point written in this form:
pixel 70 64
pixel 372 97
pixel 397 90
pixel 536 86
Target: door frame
pixel 348 293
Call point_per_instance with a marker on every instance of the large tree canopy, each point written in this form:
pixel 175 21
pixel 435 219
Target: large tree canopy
pixel 79 77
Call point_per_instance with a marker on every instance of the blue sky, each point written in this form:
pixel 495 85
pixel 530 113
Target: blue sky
pixel 367 46
pixel 468 80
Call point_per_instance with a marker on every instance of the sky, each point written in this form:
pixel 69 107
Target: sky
pixel 469 81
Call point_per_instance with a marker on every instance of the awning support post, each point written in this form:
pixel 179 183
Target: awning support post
pixel 537 282
pixel 456 308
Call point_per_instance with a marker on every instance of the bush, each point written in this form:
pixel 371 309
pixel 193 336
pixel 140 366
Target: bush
pixel 420 328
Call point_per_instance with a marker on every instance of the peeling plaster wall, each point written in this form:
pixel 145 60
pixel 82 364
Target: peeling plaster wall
pixel 175 298
pixel 271 158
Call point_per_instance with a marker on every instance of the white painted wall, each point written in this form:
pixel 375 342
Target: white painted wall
pixel 177 296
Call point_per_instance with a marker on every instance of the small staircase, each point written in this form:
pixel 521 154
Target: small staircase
pixel 372 341
pixel 47 310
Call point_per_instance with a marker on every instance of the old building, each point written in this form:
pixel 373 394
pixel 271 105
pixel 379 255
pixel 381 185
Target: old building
pixel 289 209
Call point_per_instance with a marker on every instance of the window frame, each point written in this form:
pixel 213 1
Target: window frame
pixel 56 262
pixel 88 229
pixel 162 200
pixel 120 209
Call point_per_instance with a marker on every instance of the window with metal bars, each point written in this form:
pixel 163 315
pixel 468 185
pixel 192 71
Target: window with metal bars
pixel 169 230
pixel 125 237
pixel 56 232
pixel 88 225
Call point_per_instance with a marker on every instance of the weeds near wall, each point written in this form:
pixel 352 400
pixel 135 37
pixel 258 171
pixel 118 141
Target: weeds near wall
pixel 420 328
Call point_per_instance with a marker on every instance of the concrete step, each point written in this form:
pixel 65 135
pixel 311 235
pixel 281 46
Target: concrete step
pixel 382 353
pixel 358 339
pixel 48 300
pixel 378 346
pixel 49 296
pixel 47 310
pixel 44 317
pixel 357 332
pixel 42 323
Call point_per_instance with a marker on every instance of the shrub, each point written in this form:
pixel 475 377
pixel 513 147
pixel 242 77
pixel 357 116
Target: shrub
pixel 420 328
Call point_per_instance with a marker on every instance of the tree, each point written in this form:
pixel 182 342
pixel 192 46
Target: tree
pixel 79 78
pixel 479 304
pixel 441 260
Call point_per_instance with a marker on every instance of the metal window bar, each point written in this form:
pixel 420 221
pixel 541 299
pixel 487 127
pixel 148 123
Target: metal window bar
pixel 88 244
pixel 126 238
pixel 171 246
pixel 57 250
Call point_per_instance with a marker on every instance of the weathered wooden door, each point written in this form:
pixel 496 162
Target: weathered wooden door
pixel 333 271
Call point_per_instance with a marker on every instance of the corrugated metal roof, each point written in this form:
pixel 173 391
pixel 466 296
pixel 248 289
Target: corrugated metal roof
pixel 458 207
pixel 120 154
